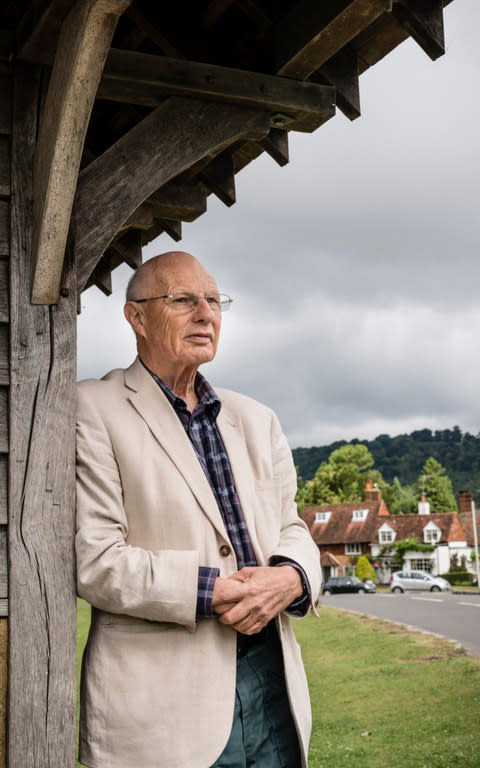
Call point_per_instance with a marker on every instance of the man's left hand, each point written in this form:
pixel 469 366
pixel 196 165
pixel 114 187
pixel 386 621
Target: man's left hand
pixel 268 591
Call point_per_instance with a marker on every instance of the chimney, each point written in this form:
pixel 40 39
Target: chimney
pixel 465 501
pixel 372 492
pixel 423 506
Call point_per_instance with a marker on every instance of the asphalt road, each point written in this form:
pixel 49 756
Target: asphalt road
pixel 456 617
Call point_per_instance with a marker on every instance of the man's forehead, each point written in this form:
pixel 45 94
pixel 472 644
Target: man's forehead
pixel 188 276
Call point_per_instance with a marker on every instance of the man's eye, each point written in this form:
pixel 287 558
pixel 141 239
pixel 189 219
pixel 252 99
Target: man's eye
pixel 214 300
pixel 182 299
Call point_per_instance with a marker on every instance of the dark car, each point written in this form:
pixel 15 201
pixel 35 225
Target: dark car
pixel 337 584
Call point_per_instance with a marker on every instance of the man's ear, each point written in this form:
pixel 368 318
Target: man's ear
pixel 134 315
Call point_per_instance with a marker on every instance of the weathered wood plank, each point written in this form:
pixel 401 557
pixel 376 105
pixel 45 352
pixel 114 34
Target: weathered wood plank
pixel 218 177
pixel 102 277
pixel 3 488
pixel 172 228
pixel 38 33
pixel 3 419
pixel 4 227
pixel 83 46
pixel 313 32
pixel 4 356
pixel 3 562
pixel 342 72
pixel 189 130
pixel 4 165
pixel 4 290
pixel 140 78
pixel 129 248
pixel 5 101
pixel 180 202
pixel 423 19
pixel 41 483
pixel 276 144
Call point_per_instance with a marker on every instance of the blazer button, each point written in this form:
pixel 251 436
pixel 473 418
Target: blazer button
pixel 225 550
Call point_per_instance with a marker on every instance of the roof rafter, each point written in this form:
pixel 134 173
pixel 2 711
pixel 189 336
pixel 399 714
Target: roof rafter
pixel 145 79
pixel 83 46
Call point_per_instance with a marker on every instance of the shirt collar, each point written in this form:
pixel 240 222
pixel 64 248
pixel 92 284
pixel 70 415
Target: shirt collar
pixel 207 397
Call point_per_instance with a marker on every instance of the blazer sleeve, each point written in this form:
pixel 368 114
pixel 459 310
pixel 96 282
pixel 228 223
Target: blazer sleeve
pixel 111 574
pixel 295 542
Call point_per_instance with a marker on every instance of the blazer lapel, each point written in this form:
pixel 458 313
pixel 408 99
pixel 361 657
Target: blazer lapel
pixel 234 441
pixel 153 407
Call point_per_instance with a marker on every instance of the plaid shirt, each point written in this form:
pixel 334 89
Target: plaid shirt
pixel 202 430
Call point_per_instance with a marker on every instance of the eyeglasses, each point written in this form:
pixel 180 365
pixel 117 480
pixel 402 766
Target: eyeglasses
pixel 182 301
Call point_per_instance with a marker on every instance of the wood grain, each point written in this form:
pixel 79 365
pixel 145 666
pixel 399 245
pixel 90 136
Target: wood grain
pixel 41 483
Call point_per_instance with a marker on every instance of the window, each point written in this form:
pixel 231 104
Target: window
pixel 322 517
pixel 353 549
pixel 421 565
pixel 431 535
pixel 385 536
pixel 359 514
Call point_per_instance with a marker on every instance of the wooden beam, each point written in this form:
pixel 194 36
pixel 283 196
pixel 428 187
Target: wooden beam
pixel 83 45
pixel 276 144
pixel 129 248
pixel 167 142
pixel 140 78
pixel 182 202
pixel 102 277
pixel 341 71
pixel 172 228
pixel 218 177
pixel 423 19
pixel 41 484
pixel 314 31
pixel 39 30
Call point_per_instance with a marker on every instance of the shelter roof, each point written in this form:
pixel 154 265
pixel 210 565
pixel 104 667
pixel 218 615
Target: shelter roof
pixel 291 60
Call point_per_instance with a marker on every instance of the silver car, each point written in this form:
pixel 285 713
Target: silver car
pixel 401 581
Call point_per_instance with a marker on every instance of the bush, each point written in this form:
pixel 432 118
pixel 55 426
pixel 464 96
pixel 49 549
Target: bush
pixel 458 577
pixel 364 569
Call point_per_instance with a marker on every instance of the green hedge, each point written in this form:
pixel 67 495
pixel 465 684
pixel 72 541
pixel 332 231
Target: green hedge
pixel 458 577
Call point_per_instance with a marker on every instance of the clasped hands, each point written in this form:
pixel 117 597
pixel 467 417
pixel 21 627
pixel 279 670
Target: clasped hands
pixel 253 596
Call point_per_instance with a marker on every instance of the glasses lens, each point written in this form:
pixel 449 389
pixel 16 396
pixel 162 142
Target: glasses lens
pixel 183 301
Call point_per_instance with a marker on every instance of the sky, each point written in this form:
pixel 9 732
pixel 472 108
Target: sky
pixel 355 269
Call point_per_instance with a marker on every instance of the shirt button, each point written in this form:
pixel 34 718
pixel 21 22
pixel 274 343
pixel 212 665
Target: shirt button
pixel 225 550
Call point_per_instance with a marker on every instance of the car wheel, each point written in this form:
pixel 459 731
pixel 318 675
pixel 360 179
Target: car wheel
pixel 397 589
pixel 362 590
pixel 435 588
pixel 326 592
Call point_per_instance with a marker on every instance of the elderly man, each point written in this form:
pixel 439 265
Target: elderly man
pixel 189 549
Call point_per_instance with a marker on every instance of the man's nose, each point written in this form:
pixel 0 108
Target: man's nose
pixel 202 309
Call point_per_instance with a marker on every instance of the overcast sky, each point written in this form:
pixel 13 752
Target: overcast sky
pixel 354 269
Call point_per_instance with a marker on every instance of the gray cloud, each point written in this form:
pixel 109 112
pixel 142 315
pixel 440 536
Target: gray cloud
pixel 355 269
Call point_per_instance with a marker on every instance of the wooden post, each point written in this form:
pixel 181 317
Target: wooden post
pixel 42 615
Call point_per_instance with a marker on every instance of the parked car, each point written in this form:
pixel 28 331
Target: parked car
pixel 337 584
pixel 402 581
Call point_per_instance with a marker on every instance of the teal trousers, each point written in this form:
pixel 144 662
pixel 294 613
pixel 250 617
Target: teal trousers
pixel 263 734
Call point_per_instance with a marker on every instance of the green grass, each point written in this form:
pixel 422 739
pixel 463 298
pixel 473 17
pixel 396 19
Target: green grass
pixel 382 696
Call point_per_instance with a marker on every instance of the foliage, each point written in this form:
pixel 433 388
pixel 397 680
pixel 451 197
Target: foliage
pixel 340 479
pixel 437 486
pixel 399 548
pixel 457 577
pixel 404 455
pixel 403 499
pixel 364 569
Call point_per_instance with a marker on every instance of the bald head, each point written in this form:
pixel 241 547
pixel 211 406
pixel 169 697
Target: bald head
pixel 160 272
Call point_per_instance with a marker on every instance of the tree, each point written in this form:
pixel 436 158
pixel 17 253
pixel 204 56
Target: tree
pixel 402 499
pixel 342 478
pixel 364 569
pixel 437 487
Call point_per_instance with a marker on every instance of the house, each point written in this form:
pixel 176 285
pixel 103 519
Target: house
pixel 345 531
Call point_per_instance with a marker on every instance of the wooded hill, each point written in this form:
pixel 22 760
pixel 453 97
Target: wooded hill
pixel 403 456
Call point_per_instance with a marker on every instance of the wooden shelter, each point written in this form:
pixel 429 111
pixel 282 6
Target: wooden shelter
pixel 118 118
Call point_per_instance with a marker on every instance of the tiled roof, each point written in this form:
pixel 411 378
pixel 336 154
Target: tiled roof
pixel 341 528
pixel 466 521
pixel 413 525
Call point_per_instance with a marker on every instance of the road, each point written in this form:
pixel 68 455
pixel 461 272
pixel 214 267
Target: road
pixel 456 617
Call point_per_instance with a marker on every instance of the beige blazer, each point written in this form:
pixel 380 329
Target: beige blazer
pixel 158 686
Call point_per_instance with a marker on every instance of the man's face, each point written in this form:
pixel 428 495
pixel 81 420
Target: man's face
pixel 174 338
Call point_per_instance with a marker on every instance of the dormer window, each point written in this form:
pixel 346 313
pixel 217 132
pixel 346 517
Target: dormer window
pixel 322 517
pixel 431 534
pixel 359 515
pixel 386 535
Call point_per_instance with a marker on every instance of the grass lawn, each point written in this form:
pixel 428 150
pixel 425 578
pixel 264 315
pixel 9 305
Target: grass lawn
pixel 382 696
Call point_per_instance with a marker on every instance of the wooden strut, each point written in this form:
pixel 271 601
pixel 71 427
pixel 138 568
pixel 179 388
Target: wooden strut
pixel 83 46
pixel 179 133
